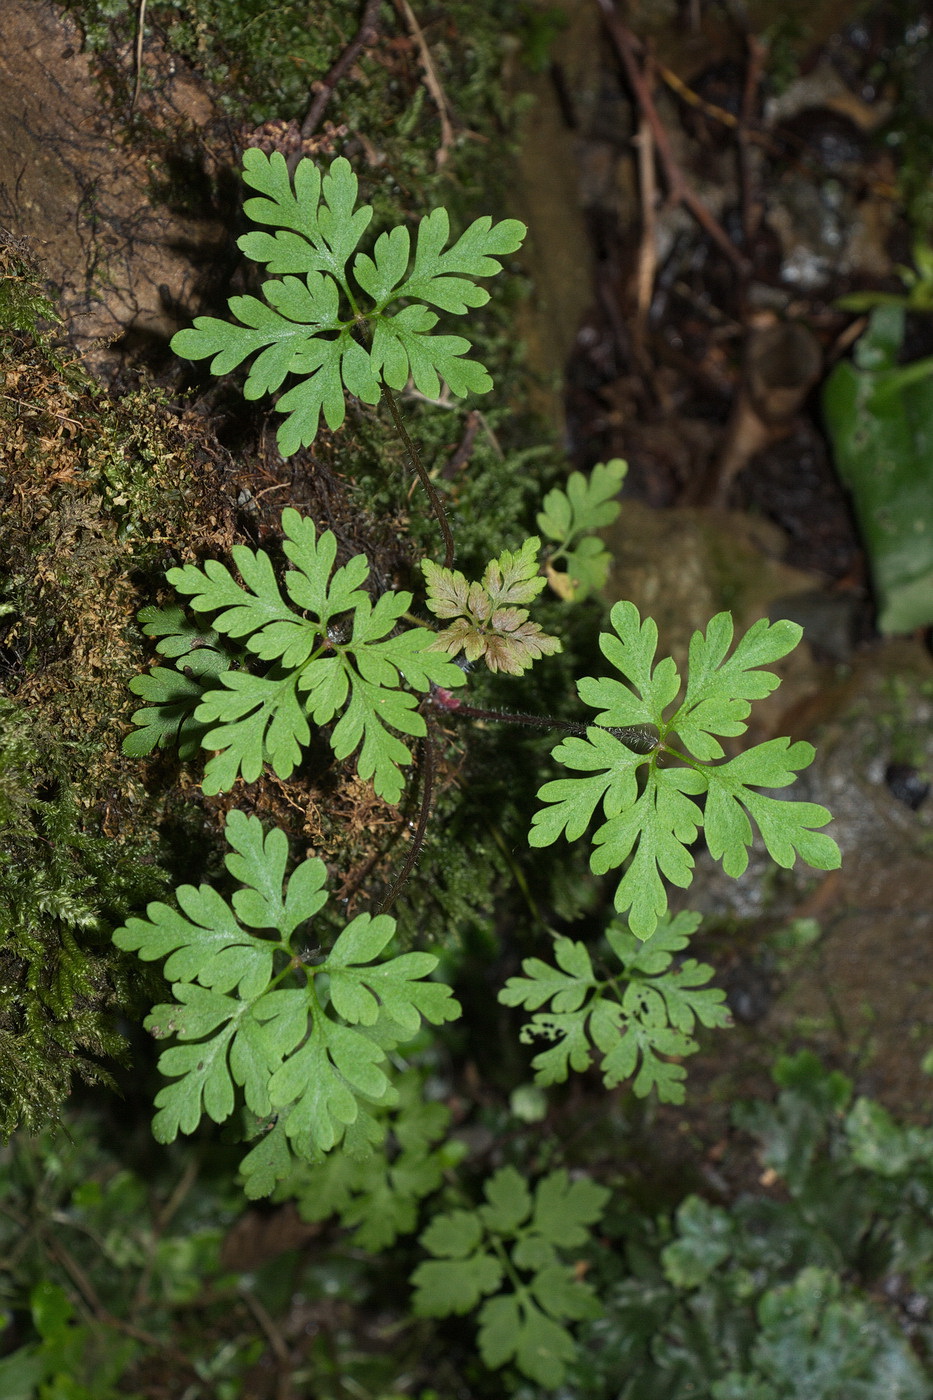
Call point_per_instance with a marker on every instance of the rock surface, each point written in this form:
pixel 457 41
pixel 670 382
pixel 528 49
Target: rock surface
pixel 121 263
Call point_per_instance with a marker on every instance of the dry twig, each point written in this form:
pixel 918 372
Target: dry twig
pixel 431 81
pixel 646 266
pixel 679 191
pixel 283 1365
pixel 140 34
pixel 324 87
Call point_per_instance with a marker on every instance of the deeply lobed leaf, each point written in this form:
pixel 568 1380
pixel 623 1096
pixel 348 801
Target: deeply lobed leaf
pixel 314 1060
pixel 652 827
pixel 632 1018
pixel 309 323
pixel 570 516
pixel 486 624
pixel 248 720
pixel 469 1246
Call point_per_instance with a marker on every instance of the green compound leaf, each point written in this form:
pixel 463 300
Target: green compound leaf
pixel 403 346
pixel 786 827
pixel 321 212
pixel 564 1209
pixel 252 719
pixel 488 624
pixel 706 1237
pixel 632 1018
pixel 320 668
pixel 569 517
pixel 180 635
pixel 249 1013
pixel 719 688
pixel 438 277
pixel 470 1249
pixel 817 1331
pixel 314 323
pixel 168 719
pixel 513 1327
pixel 200 655
pixel 653 824
pixel 270 1161
pixel 377 1195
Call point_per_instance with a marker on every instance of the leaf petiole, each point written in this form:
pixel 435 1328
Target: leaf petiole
pixel 639 738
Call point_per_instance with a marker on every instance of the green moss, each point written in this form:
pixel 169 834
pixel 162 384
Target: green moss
pixel 62 888
pixel 93 493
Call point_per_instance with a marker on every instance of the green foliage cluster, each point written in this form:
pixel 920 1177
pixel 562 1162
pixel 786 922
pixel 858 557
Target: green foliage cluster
pixel 92 490
pixel 23 307
pixel 339 654
pixel 314 322
pixel 514 1237
pixel 70 1360
pixel 105 1265
pixel 823 1277
pixel 646 1010
pixel 377 1195
pixel 569 520
pixel 304 1033
pixel 783 1292
pixel 249 719
pixel 657 823
pixel 306 1036
pixel 257 68
pixel 61 892
pixel 306 1041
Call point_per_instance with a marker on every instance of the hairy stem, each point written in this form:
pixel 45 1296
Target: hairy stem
pixel 420 471
pixel 639 738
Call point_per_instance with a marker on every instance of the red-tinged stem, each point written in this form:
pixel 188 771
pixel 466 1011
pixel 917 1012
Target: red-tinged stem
pixel 638 738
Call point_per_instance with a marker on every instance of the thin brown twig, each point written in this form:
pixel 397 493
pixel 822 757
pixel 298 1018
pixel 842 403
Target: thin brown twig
pixel 37 408
pixel 283 1387
pixel 182 1187
pixel 102 1315
pixel 140 35
pixel 431 81
pixel 753 135
pixel 679 191
pixel 693 99
pixel 325 86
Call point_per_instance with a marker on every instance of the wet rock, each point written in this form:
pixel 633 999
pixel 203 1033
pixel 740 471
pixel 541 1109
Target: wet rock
pixel 683 565
pixel 831 622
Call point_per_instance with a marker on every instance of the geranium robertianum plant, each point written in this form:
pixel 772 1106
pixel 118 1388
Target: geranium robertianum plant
pixel 306 1042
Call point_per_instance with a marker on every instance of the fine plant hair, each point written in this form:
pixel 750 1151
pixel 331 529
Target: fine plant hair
pixel 304 1044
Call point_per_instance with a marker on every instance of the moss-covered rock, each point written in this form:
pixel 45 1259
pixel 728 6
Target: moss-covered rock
pixel 93 493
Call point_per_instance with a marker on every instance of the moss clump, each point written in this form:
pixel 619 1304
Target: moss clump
pixel 93 495
pixel 63 886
